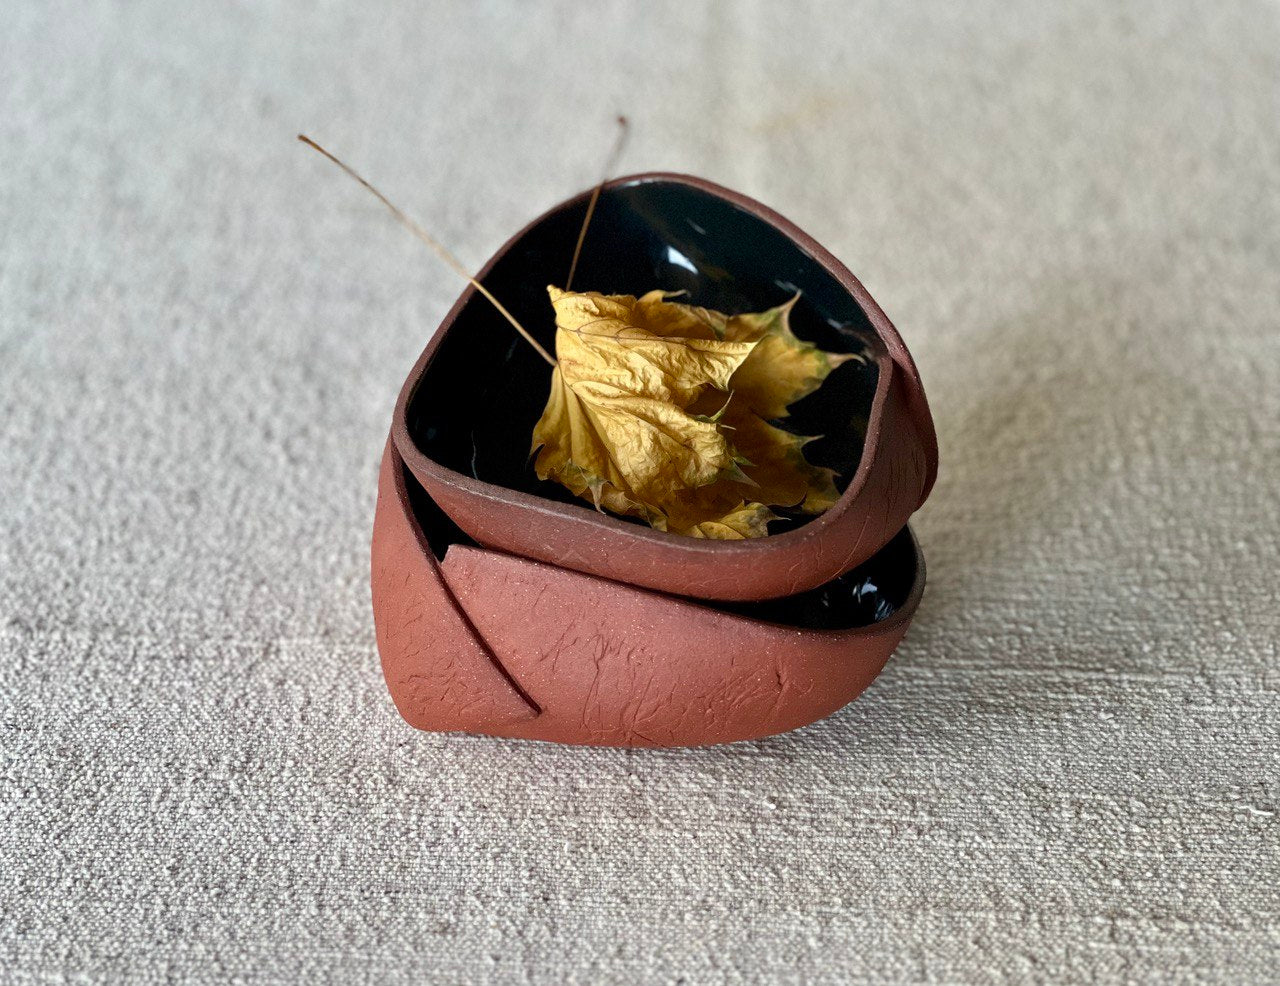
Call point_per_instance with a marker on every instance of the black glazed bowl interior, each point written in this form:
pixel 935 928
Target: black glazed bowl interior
pixel 475 407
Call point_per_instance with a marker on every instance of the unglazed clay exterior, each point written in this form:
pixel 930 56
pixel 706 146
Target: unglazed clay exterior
pixel 892 479
pixel 487 642
pixel 505 607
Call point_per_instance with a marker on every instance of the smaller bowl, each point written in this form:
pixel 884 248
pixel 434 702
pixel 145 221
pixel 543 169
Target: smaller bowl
pixel 466 412
pixel 479 641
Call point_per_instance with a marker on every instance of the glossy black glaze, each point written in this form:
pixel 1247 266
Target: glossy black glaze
pixel 478 401
pixel 872 592
pixel 869 593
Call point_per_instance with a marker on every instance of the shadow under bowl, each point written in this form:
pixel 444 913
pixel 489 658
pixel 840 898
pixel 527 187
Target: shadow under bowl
pixel 463 421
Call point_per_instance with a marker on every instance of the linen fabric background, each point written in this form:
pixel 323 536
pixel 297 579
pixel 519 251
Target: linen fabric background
pixel 1067 773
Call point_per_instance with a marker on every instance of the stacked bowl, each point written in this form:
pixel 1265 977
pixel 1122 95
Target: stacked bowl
pixel 504 606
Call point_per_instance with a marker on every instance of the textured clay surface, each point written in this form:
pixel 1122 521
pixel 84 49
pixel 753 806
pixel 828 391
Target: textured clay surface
pixel 487 642
pixel 442 675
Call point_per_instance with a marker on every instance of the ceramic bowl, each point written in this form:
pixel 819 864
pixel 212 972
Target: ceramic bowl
pixel 482 641
pixel 465 414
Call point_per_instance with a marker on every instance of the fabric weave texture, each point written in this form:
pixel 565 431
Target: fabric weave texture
pixel 1068 772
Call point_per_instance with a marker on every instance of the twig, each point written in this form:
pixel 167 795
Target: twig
pixel 435 245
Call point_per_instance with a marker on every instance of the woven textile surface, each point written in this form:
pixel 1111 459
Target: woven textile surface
pixel 1070 771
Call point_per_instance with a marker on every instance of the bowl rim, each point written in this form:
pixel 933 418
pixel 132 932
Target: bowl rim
pixel 903 614
pixel 893 358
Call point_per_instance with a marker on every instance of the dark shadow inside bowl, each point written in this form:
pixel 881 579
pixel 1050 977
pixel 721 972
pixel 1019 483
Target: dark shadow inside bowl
pixel 474 409
pixel 872 592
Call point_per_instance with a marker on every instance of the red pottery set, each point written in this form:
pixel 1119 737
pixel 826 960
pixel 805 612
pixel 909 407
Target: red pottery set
pixel 504 606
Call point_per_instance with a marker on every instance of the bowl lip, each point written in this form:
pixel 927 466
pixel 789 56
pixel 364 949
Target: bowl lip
pixel 893 358
pixel 896 620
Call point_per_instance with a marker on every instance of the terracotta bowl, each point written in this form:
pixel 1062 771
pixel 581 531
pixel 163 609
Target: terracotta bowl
pixel 466 411
pixel 482 641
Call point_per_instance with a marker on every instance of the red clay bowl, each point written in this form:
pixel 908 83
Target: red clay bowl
pixel 480 641
pixel 466 411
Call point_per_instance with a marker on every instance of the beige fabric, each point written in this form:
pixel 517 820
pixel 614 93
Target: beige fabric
pixel 1069 771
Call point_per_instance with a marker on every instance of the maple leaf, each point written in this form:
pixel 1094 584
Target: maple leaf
pixel 617 425
pixel 660 410
pixel 781 369
pixel 663 411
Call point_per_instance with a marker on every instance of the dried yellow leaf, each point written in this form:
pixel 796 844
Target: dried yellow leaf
pixel 659 410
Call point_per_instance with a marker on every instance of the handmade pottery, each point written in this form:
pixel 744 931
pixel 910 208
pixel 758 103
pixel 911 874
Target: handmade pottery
pixel 483 641
pixel 463 421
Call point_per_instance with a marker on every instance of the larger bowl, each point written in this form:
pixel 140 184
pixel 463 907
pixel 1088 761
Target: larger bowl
pixel 481 641
pixel 464 417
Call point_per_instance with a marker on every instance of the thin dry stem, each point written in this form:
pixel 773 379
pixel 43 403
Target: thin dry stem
pixel 611 162
pixel 439 249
